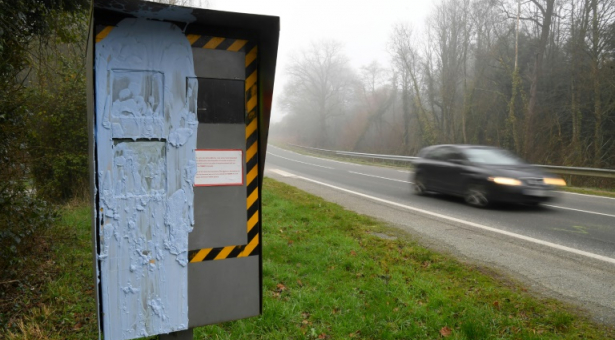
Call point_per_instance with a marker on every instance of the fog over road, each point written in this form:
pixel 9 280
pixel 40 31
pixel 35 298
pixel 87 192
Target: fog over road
pixel 564 249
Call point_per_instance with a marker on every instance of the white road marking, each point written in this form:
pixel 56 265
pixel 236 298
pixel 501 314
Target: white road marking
pixel 579 210
pixel 452 219
pixel 331 160
pixel 282 173
pixel 593 196
pixel 390 179
pixel 316 157
pixel 292 160
pixel 396 180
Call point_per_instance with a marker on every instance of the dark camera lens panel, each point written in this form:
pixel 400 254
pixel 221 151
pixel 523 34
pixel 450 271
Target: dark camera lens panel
pixel 221 101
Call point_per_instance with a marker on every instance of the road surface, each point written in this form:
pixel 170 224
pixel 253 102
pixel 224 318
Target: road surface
pixel 564 249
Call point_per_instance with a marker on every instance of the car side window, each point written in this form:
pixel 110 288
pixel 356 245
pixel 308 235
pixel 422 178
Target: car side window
pixel 454 155
pixel 437 154
pixel 444 154
pixel 431 154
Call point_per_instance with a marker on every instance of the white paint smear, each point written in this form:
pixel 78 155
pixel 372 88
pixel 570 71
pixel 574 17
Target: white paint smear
pixel 145 136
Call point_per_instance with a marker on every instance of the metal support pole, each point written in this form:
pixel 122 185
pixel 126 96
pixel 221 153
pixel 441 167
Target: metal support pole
pixel 181 335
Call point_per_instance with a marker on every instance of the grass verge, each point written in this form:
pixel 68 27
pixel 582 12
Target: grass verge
pixel 55 297
pixel 326 275
pixel 591 191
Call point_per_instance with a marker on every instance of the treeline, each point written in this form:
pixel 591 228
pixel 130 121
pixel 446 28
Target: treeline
pixel 43 136
pixel 536 77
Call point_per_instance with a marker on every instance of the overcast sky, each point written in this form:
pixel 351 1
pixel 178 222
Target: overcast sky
pixel 363 26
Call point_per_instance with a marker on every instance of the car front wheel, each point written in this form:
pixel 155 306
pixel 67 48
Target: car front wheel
pixel 419 185
pixel 476 195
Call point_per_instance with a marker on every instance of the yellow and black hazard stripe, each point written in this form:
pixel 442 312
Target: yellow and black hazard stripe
pixel 217 43
pixel 251 105
pixel 102 31
pixel 252 247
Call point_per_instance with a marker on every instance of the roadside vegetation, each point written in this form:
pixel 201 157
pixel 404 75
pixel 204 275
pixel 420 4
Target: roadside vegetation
pixel 43 139
pixel 327 274
pixel 592 191
pixel 52 297
pixel 533 77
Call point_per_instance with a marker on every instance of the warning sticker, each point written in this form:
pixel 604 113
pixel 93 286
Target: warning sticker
pixel 219 168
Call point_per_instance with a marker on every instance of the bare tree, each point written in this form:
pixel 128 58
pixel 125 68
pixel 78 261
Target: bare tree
pixel 374 98
pixel 449 31
pixel 318 91
pixel 602 17
pixel 516 85
pixel 535 76
pixel 407 63
pixel 373 76
pixel 541 13
pixel 578 29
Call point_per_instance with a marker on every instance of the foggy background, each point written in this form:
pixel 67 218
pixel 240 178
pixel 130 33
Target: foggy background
pixel 534 77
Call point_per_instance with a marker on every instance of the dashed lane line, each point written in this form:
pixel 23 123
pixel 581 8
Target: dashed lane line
pixel 390 179
pixel 296 161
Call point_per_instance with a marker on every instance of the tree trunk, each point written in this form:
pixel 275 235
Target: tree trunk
pixel 547 13
pixel 516 82
pixel 406 112
pixel 596 84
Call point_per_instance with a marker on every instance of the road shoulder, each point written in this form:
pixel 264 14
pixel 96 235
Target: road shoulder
pixel 552 273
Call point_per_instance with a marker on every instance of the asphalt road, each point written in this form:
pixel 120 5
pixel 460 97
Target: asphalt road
pixel 564 249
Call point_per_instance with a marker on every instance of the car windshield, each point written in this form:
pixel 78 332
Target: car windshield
pixel 492 156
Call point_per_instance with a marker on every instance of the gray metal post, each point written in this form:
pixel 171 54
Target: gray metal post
pixel 181 335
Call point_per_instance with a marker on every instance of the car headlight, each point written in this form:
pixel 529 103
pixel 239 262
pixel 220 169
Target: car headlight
pixel 555 181
pixel 505 181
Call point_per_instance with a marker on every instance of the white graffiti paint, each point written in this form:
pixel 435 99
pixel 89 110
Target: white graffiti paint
pixel 172 13
pixel 145 135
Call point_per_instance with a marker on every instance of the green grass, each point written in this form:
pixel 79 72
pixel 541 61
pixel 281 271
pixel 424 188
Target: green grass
pixel 591 191
pixel 56 296
pixel 326 276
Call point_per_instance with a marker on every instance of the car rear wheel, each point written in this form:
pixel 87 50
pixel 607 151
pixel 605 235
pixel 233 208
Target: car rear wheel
pixel 476 195
pixel 419 185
